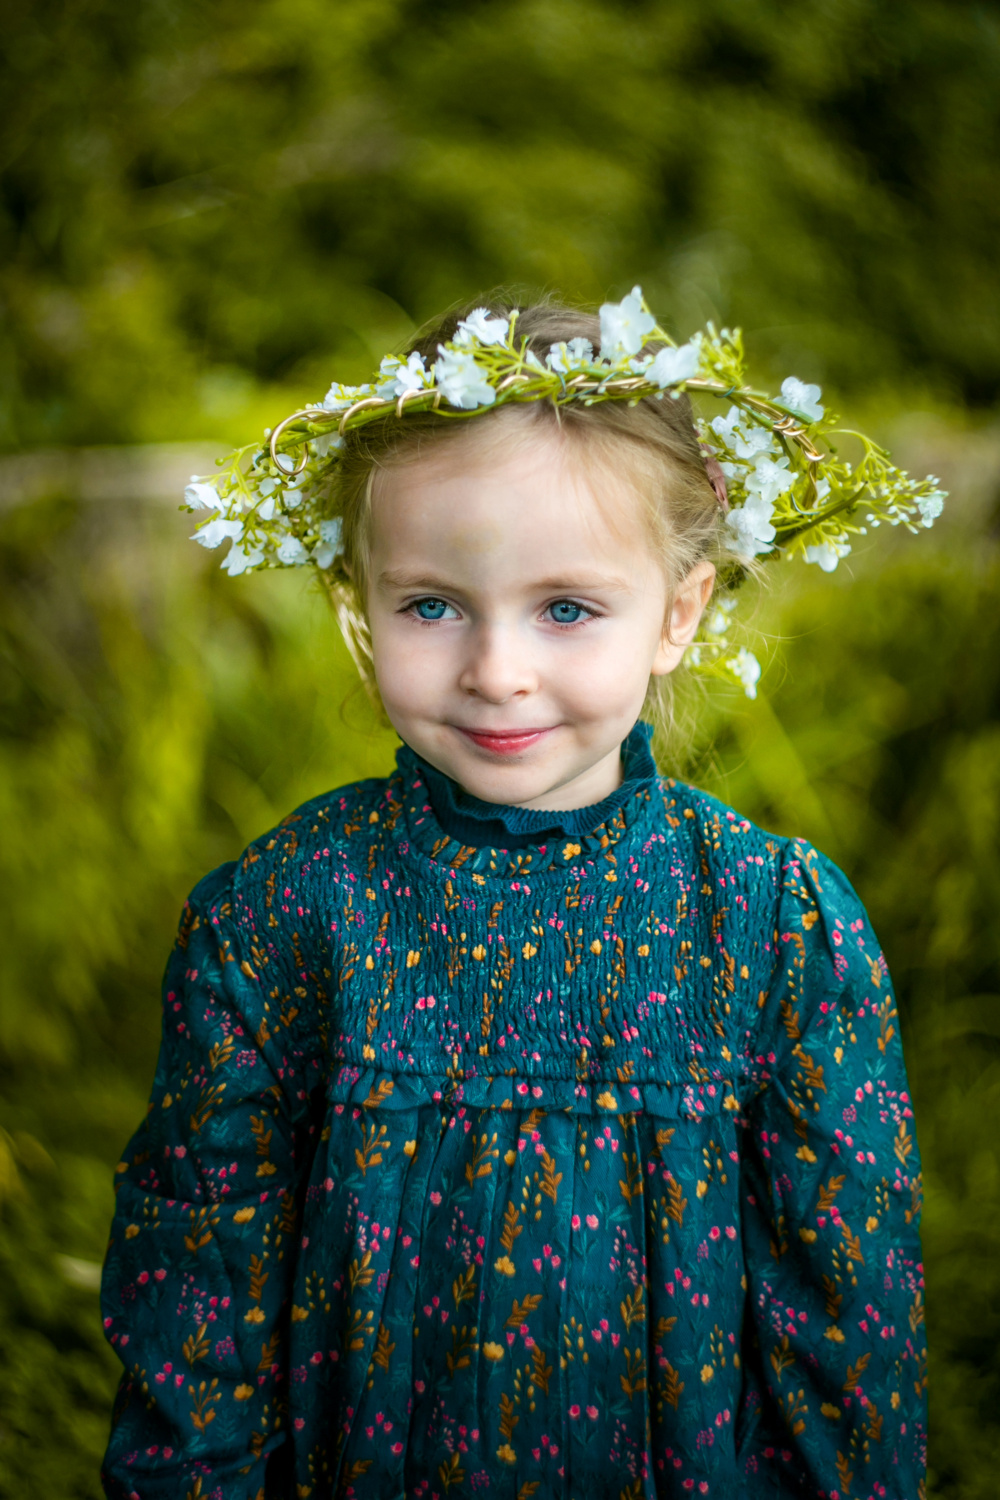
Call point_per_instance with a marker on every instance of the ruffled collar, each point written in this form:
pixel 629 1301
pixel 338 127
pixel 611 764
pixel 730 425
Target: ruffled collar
pixel 473 823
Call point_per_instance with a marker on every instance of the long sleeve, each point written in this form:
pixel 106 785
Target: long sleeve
pixel 196 1276
pixel 835 1357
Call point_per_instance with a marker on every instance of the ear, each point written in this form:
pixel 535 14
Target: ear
pixel 684 617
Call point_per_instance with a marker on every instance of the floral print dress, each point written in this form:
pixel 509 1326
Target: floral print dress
pixel 582 1169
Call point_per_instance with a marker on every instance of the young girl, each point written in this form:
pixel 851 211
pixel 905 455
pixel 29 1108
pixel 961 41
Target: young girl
pixel 527 1123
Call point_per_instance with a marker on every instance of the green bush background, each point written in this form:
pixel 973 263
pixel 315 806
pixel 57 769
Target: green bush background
pixel 209 211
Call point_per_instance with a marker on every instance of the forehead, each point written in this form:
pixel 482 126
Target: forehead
pixel 518 487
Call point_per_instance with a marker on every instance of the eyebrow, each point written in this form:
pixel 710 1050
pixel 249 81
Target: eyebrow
pixel 399 579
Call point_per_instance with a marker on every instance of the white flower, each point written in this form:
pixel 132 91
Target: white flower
pixel 718 622
pixel 398 378
pixel 200 494
pixel 930 506
pixel 745 666
pixel 481 327
pixel 339 397
pixel 827 555
pixel 576 355
pixel 461 381
pixel 215 532
pixel 329 541
pixel 265 511
pixel 803 399
pixel 321 446
pixel 769 477
pixel 238 560
pixel 293 495
pixel 756 440
pixel 291 551
pixel 671 366
pixel 624 326
pixel 725 427
pixel 750 525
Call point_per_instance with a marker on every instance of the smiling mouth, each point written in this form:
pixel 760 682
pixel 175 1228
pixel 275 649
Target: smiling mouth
pixel 504 741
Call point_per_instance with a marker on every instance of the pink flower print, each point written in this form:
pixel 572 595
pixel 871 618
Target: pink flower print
pixel 435 1198
pixel 574 1412
pixel 714 1232
pixel 592 1413
pixel 575 1221
pixel 592 1221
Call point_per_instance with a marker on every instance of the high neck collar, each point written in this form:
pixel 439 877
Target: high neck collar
pixel 471 821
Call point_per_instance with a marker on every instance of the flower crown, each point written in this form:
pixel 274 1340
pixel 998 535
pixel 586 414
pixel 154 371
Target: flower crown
pixel 785 488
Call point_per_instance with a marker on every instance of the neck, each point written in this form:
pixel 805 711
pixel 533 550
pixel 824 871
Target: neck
pixel 477 823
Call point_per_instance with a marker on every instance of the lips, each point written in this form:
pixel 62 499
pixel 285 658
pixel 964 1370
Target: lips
pixel 504 741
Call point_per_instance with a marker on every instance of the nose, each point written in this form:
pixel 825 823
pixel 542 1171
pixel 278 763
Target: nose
pixel 498 667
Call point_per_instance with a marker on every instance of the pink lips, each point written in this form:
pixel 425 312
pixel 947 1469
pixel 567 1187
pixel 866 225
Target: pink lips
pixel 504 742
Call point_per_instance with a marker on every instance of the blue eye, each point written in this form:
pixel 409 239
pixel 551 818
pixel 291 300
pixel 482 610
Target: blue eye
pixel 565 612
pixel 430 609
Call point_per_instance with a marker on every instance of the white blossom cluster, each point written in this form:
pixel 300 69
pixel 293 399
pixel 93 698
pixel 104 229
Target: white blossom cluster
pixel 786 493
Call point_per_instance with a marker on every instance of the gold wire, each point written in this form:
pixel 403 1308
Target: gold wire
pixel 296 415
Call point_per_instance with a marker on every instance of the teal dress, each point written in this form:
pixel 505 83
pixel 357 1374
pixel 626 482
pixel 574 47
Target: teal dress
pixel 521 1155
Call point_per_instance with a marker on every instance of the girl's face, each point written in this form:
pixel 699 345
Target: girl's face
pixel 515 626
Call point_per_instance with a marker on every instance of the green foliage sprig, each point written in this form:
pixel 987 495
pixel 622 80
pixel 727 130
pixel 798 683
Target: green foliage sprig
pixel 788 490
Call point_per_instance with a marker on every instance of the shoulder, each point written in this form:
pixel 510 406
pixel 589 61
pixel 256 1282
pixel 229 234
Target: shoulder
pixel 727 846
pixel 330 833
pixel 333 827
pixel 783 889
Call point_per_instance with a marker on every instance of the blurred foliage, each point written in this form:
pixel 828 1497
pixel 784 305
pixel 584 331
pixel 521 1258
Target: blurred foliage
pixel 205 213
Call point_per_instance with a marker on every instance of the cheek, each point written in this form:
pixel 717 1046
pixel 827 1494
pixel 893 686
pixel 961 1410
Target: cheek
pixel 608 674
pixel 408 668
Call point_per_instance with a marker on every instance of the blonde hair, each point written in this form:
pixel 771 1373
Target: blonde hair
pixel 654 441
